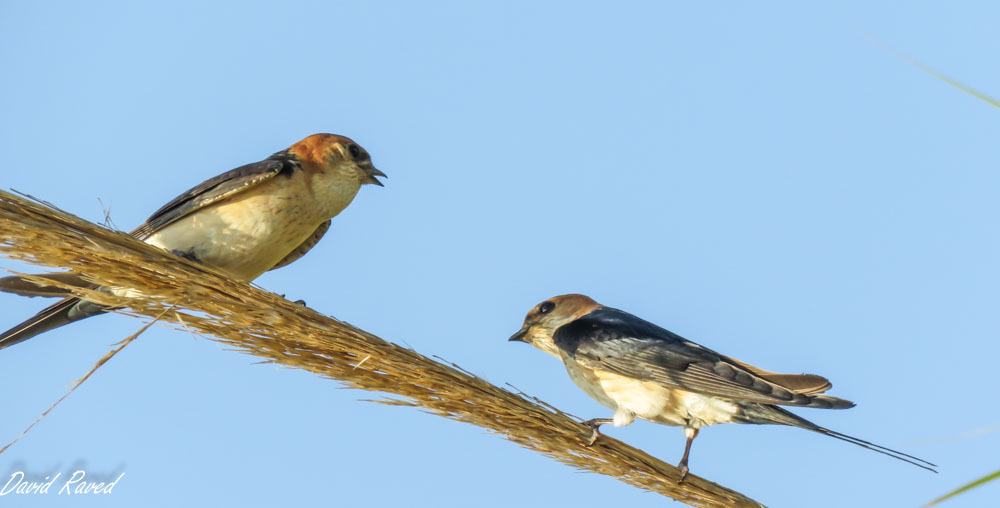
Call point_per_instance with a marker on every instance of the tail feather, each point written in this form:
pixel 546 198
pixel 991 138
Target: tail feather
pixel 764 413
pixel 61 313
pixel 21 286
pixel 827 402
pixel 896 454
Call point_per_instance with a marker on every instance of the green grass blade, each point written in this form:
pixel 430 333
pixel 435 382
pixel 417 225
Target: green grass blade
pixel 981 96
pixel 961 86
pixel 969 486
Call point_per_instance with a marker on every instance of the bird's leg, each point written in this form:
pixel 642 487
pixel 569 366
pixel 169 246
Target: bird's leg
pixel 691 433
pixel 594 424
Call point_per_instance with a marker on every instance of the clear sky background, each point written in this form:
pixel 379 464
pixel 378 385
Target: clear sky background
pixel 763 180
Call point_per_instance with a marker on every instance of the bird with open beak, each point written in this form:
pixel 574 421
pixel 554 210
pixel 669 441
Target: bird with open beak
pixel 244 222
pixel 640 370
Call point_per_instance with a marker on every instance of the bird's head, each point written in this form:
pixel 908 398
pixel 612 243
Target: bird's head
pixel 336 156
pixel 545 318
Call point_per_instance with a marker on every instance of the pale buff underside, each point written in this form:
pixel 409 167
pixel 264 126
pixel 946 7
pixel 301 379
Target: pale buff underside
pixel 631 398
pixel 249 233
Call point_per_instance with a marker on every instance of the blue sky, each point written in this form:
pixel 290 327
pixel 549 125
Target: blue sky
pixel 763 180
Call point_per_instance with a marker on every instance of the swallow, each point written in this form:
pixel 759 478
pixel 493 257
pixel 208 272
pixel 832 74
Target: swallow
pixel 640 370
pixel 244 222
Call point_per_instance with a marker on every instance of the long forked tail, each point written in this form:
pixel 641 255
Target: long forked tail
pixel 764 413
pixel 898 455
pixel 63 312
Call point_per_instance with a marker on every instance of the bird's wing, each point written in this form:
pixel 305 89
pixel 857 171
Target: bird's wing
pixel 213 190
pixel 806 384
pixel 306 245
pixel 616 341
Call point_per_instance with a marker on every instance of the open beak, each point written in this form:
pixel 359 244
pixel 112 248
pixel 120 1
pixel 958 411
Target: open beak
pixel 519 336
pixel 372 173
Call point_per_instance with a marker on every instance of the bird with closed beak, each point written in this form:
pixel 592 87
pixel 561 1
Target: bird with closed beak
pixel 640 370
pixel 244 222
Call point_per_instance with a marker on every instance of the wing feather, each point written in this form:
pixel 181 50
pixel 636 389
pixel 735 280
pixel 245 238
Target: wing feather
pixel 806 384
pixel 612 340
pixel 213 190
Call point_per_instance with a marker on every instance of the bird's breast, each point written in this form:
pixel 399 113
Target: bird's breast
pixel 248 233
pixel 649 400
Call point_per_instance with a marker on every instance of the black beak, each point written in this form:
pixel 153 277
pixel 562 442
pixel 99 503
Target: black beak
pixel 373 172
pixel 519 336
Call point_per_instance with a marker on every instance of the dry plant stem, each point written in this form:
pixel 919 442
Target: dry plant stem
pixel 76 384
pixel 270 327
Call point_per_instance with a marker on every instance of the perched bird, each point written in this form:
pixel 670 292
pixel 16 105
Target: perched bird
pixel 640 370
pixel 244 222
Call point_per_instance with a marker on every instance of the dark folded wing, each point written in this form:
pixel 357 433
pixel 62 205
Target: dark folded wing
pixel 616 341
pixel 211 191
pixel 306 245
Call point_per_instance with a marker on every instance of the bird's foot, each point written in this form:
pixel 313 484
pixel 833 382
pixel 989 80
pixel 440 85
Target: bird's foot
pixel 595 425
pixel 684 471
pixel 593 436
pixel 299 302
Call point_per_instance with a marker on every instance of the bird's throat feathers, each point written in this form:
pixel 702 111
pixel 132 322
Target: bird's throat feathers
pixel 328 174
pixel 566 309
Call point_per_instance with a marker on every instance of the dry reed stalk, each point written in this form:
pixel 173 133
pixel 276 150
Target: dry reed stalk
pixel 268 326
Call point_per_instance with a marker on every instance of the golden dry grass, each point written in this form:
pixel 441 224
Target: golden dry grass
pixel 270 327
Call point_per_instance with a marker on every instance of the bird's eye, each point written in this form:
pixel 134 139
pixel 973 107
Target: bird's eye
pixel 354 150
pixel 546 307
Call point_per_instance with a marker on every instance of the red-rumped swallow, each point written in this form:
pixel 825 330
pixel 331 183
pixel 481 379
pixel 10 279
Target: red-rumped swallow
pixel 640 370
pixel 243 222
